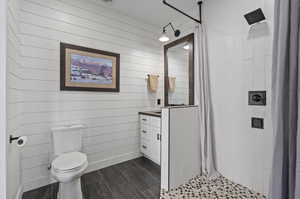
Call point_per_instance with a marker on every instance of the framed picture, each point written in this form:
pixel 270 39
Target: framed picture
pixel 86 69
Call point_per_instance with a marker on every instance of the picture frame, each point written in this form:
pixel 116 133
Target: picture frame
pixel 87 69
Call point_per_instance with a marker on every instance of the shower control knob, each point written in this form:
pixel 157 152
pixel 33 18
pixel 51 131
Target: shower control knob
pixel 256 98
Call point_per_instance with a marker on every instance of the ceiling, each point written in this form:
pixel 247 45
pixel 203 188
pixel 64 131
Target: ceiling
pixel 153 11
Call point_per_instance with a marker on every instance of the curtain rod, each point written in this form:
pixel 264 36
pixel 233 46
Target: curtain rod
pixel 180 11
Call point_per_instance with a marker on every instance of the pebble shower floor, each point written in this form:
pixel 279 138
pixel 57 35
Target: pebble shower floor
pixel 203 188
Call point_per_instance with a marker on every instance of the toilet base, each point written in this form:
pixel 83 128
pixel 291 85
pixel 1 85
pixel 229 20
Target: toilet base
pixel 70 190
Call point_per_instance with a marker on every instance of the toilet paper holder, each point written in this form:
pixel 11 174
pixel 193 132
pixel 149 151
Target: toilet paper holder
pixel 12 138
pixel 21 140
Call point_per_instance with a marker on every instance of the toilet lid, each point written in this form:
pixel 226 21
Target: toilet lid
pixel 69 161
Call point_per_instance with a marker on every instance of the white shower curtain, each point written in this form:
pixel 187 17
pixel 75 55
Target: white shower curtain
pixel 203 100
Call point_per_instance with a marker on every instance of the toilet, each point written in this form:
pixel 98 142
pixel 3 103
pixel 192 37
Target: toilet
pixel 69 162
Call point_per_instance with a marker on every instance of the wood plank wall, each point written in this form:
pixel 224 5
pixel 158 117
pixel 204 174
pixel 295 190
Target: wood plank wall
pixel 112 119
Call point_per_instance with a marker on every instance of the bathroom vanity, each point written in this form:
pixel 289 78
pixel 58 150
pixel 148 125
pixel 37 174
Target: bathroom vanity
pixel 150 135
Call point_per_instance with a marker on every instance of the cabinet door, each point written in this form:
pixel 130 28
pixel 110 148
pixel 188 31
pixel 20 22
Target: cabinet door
pixel 155 122
pixel 155 145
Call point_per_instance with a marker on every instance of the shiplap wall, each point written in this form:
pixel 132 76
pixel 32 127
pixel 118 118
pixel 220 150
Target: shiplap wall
pixel 178 63
pixel 14 110
pixel 111 118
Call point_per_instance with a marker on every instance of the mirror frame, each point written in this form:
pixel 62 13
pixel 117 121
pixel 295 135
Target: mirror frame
pixel 189 38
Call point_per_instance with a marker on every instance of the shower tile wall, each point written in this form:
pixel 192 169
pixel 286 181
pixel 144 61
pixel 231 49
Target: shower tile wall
pixel 112 119
pixel 240 60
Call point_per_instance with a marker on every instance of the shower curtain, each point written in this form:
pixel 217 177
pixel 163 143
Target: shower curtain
pixel 203 100
pixel 285 183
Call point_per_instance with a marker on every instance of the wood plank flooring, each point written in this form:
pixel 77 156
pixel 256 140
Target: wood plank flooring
pixel 134 179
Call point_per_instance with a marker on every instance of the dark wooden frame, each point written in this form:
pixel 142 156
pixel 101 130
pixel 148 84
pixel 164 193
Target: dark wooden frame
pixel 64 46
pixel 189 38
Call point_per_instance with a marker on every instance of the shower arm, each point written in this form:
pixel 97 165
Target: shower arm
pixel 180 11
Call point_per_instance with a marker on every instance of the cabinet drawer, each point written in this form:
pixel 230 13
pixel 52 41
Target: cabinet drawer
pixel 145 133
pixel 144 119
pixel 150 137
pixel 145 148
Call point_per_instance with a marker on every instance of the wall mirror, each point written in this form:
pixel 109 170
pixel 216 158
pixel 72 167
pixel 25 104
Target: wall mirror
pixel 179 72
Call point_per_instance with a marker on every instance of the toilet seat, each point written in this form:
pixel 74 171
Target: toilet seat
pixel 69 162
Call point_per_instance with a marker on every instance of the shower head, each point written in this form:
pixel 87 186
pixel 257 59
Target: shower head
pixel 255 16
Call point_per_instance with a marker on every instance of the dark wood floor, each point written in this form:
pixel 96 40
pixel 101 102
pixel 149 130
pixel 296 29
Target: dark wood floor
pixel 134 179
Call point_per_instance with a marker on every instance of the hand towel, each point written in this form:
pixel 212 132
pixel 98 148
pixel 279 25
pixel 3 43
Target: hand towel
pixel 153 82
pixel 172 84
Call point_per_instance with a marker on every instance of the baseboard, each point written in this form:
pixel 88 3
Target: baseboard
pixel 94 166
pixel 19 194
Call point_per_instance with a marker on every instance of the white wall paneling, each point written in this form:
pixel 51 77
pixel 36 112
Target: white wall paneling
pixel 185 162
pixel 165 129
pixel 180 151
pixel 3 94
pixel 14 110
pixel 112 119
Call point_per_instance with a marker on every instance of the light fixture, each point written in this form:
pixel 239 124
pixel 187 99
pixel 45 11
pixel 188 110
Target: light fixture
pixel 164 37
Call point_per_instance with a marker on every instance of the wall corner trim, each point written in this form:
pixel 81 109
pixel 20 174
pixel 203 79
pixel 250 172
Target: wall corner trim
pixel 19 194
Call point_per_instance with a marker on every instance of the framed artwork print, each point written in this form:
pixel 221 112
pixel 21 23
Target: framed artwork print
pixel 87 69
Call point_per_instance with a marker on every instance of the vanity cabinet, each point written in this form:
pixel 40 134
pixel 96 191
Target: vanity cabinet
pixel 150 135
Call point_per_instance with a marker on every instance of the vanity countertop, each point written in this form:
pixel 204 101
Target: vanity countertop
pixel 156 113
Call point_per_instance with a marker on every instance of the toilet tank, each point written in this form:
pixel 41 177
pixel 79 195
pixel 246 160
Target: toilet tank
pixel 67 139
